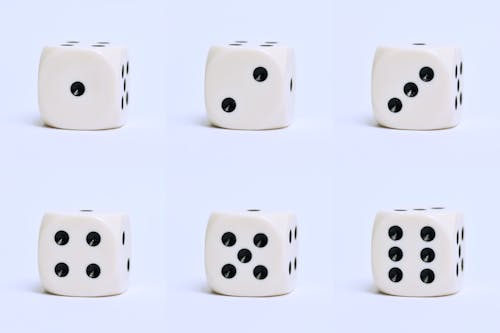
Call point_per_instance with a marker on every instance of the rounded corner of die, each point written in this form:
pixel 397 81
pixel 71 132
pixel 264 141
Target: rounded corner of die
pixel 212 49
pixel 48 122
pixel 210 284
pixel 117 124
pixel 213 52
pixel 46 52
pixel 214 215
pixel 213 122
pixel 120 290
pixel 214 290
pixel 380 121
pixel 382 290
pixel 48 217
pixel 45 285
pixel 454 123
pixel 380 215
pixel 43 288
pixel 292 217
pixel 44 120
pixel 124 218
pixel 379 50
pixel 213 219
pixel 286 122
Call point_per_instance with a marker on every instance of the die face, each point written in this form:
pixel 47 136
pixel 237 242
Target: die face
pixel 84 254
pixel 417 252
pixel 458 250
pixel 250 86
pixel 83 87
pixel 251 254
pixel 417 87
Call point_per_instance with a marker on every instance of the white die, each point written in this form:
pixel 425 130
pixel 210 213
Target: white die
pixel 84 253
pixel 418 252
pixel 251 253
pixel 250 86
pixel 83 87
pixel 417 87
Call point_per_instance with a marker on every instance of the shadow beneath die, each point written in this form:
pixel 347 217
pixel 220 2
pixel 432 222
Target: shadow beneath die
pixel 37 122
pixel 34 288
pixel 192 289
pixel 372 289
pixel 203 288
pixel 203 122
pixel 364 287
pixel 371 122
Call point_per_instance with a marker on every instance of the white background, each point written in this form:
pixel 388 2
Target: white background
pixel 169 169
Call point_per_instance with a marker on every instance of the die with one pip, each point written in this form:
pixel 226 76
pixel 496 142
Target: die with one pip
pixel 83 86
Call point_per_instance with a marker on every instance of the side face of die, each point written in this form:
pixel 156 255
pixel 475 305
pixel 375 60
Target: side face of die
pixel 251 253
pixel 418 252
pixel 83 87
pixel 84 254
pixel 418 87
pixel 250 86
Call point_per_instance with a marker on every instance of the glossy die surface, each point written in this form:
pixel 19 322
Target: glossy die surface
pixel 251 253
pixel 250 86
pixel 418 252
pixel 84 253
pixel 83 86
pixel 417 87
